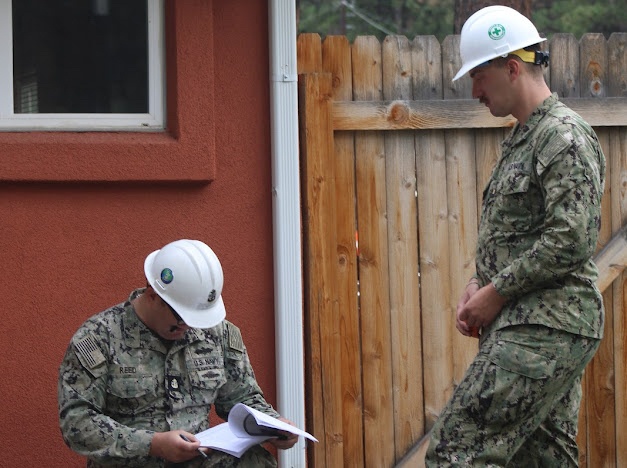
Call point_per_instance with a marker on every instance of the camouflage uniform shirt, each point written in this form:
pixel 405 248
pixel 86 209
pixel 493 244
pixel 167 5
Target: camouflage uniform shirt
pixel 540 220
pixel 119 383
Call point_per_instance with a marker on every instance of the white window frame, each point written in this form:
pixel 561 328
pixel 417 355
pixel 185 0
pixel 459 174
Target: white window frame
pixel 154 120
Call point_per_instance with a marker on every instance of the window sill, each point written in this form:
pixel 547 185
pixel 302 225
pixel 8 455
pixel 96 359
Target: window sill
pixel 104 157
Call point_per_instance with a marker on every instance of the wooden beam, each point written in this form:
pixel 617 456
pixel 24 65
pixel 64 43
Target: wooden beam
pixel 415 458
pixel 611 261
pixel 459 113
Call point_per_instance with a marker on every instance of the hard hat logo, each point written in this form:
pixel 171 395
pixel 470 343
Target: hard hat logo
pixel 166 276
pixel 212 296
pixel 496 32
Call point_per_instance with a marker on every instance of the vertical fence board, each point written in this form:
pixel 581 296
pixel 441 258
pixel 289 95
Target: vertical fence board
pixel 617 86
pixel 451 63
pixel 309 53
pixel 433 218
pixel 438 323
pixel 620 364
pixel 619 325
pixel 599 378
pixel 403 247
pixel 460 165
pixel 337 60
pixel 373 257
pixel 618 150
pixel 463 222
pixel 593 66
pixel 321 244
pixel 313 358
pixel 563 70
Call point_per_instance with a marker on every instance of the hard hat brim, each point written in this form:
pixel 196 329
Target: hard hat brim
pixel 207 318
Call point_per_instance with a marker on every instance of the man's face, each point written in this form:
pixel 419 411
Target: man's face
pixel 491 85
pixel 172 327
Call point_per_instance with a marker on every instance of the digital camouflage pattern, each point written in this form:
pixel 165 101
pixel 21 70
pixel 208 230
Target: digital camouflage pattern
pixel 255 457
pixel 518 403
pixel 539 224
pixel 119 383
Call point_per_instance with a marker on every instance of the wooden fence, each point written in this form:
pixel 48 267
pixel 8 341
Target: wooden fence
pixel 392 149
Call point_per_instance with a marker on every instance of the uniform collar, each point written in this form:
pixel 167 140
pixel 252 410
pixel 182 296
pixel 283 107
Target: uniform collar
pixel 520 132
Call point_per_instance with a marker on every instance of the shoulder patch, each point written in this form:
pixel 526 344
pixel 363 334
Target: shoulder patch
pixel 236 342
pixel 88 352
pixel 558 144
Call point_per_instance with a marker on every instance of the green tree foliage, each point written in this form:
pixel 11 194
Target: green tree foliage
pixel 410 18
pixel 376 17
pixel 579 17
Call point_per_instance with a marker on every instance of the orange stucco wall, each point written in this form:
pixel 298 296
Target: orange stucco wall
pixel 79 212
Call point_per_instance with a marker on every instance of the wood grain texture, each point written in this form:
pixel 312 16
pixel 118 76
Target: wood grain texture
pixel 393 149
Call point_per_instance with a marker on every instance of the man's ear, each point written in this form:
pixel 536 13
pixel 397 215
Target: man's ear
pixel 513 68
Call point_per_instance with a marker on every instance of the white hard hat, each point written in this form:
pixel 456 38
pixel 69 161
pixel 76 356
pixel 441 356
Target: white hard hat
pixel 491 32
pixel 188 276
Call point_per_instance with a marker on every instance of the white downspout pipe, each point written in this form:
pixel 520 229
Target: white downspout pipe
pixel 286 223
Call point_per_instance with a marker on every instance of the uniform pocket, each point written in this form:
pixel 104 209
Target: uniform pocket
pixel 514 357
pixel 520 379
pixel 129 395
pixel 512 207
pixel 514 182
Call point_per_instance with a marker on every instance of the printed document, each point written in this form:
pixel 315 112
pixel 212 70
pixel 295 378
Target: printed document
pixel 246 427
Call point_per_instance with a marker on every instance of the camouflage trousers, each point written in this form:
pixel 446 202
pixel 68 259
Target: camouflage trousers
pixel 518 404
pixel 255 457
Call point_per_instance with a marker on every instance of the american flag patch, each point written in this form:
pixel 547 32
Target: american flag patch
pixel 88 352
pixel 235 338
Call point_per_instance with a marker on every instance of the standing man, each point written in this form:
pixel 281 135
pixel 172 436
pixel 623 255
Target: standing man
pixel 138 380
pixel 533 299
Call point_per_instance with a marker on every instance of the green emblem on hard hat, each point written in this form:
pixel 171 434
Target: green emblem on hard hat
pixel 167 276
pixel 496 31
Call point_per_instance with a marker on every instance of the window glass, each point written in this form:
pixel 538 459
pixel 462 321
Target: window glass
pixel 80 56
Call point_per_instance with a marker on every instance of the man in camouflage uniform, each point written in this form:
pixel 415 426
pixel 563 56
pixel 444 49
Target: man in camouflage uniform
pixel 137 376
pixel 533 298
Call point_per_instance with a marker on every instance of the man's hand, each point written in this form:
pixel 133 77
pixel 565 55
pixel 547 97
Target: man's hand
pixel 172 447
pixel 462 327
pixel 477 308
pixel 289 441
